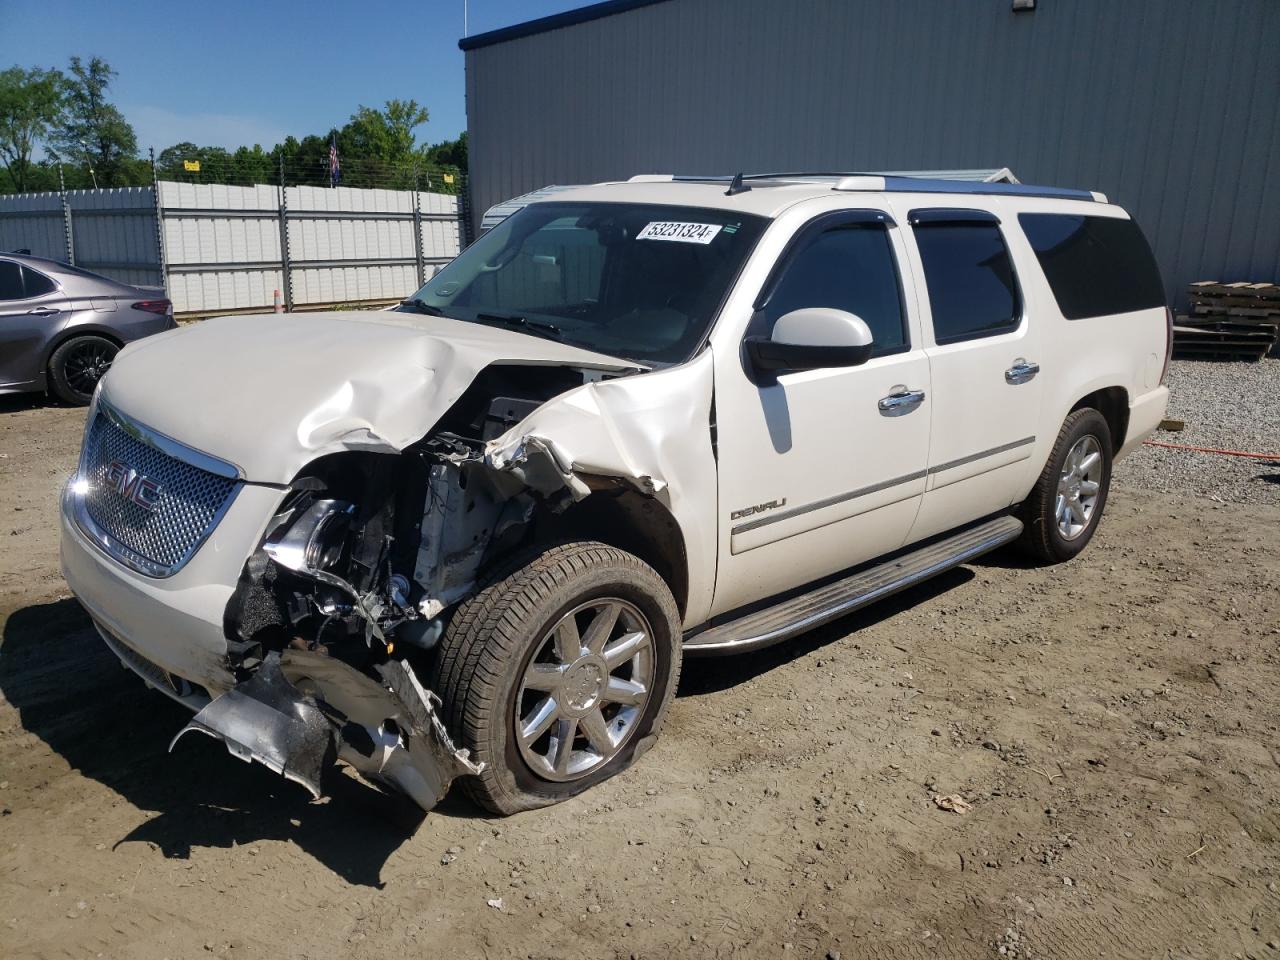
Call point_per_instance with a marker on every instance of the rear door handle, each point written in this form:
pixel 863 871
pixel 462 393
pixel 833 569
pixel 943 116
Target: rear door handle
pixel 43 311
pixel 1021 371
pixel 900 401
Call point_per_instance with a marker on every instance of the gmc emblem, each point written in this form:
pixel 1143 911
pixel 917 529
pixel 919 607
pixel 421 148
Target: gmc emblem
pixel 132 485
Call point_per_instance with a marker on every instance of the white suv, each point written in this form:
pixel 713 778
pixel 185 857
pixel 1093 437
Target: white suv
pixel 474 536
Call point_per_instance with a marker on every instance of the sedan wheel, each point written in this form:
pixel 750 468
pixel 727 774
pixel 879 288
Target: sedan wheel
pixel 78 365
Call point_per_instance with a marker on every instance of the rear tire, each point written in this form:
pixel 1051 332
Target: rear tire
pixel 77 365
pixel 1066 504
pixel 546 648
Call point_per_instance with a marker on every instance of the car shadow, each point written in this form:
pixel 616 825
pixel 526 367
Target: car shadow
pixel 71 692
pixel 1007 558
pixel 705 675
pixel 18 402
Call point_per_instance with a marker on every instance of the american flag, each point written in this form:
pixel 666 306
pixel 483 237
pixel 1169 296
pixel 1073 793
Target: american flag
pixel 335 168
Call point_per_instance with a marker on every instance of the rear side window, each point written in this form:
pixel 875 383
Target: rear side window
pixel 1096 266
pixel 36 284
pixel 852 268
pixel 972 291
pixel 10 281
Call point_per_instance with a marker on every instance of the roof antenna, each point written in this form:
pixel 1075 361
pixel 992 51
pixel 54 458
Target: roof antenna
pixel 736 186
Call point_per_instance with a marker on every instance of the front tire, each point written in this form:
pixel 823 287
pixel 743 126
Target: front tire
pixel 77 365
pixel 1066 504
pixel 558 675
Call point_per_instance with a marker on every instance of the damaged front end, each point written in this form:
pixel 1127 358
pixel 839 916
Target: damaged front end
pixel 301 710
pixel 336 615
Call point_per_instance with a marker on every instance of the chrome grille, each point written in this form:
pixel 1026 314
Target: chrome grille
pixel 155 538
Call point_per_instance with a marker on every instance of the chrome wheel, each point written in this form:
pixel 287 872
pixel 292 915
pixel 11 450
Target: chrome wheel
pixel 585 689
pixel 1078 487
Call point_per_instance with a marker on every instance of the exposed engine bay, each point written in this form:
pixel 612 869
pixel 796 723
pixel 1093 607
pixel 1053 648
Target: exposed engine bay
pixel 335 616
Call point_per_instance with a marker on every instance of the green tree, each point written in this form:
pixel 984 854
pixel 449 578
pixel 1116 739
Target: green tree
pixel 30 105
pixel 385 135
pixel 253 165
pixel 169 160
pixel 93 132
pixel 449 153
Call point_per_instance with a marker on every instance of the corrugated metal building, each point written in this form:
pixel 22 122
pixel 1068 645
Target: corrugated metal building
pixel 1170 107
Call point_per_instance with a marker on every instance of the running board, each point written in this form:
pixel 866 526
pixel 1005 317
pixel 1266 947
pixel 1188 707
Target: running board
pixel 812 609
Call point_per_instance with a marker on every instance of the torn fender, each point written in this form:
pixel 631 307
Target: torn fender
pixel 300 710
pixel 652 431
pixel 272 393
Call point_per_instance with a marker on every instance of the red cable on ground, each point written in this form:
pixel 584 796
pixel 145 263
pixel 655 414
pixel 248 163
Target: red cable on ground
pixel 1226 453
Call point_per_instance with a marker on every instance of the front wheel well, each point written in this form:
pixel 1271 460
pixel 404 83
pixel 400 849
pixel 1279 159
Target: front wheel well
pixel 631 521
pixel 1113 404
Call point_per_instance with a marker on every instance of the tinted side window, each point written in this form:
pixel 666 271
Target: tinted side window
pixel 972 292
pixel 10 281
pixel 1096 266
pixel 849 268
pixel 37 284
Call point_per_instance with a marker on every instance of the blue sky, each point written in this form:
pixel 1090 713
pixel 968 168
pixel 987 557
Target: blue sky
pixel 228 72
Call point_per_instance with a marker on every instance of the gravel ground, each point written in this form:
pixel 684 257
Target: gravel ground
pixel 1111 724
pixel 1232 406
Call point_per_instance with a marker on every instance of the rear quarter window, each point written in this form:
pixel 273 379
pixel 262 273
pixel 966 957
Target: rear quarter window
pixel 1096 266
pixel 36 284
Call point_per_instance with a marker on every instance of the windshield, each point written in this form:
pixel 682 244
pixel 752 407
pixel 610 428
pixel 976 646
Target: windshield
pixel 642 282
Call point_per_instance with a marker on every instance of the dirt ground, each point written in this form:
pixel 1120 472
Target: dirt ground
pixel 1113 723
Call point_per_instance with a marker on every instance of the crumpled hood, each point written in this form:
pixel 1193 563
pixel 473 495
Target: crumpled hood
pixel 271 393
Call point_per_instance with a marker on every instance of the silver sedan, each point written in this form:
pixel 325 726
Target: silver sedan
pixel 60 326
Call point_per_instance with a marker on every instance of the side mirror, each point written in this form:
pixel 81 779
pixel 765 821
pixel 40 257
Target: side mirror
pixel 811 338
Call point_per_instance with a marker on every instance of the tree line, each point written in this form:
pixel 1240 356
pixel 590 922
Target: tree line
pixel 62 122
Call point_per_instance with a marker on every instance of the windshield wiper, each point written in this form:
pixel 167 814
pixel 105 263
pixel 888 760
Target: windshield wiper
pixel 515 320
pixel 423 307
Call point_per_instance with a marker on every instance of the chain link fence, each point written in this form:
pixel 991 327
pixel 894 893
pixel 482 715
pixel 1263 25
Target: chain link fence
pixel 285 235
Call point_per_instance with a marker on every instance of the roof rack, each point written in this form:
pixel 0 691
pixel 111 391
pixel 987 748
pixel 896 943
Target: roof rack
pixel 892 183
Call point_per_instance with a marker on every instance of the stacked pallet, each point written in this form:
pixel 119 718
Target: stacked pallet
pixel 1228 321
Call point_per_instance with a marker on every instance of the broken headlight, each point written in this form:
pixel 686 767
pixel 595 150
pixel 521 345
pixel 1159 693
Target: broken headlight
pixel 314 541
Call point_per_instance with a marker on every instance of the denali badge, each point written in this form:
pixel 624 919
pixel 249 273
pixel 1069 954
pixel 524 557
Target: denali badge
pixel 132 485
pixel 758 508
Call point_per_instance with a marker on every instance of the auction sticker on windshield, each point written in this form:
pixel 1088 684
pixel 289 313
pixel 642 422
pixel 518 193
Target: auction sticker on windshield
pixel 680 232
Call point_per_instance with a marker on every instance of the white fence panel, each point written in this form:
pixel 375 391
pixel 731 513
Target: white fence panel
pixel 441 229
pixel 223 244
pixel 220 263
pixel 353 284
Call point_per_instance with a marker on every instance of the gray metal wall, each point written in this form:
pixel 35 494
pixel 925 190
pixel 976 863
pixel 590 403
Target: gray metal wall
pixel 113 231
pixel 1170 107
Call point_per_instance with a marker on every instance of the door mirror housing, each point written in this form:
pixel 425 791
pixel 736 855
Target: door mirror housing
pixel 809 339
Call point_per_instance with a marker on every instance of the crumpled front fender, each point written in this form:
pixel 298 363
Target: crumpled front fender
pixel 651 431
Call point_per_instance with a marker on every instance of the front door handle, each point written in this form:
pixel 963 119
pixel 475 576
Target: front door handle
pixel 43 311
pixel 900 401
pixel 1021 371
